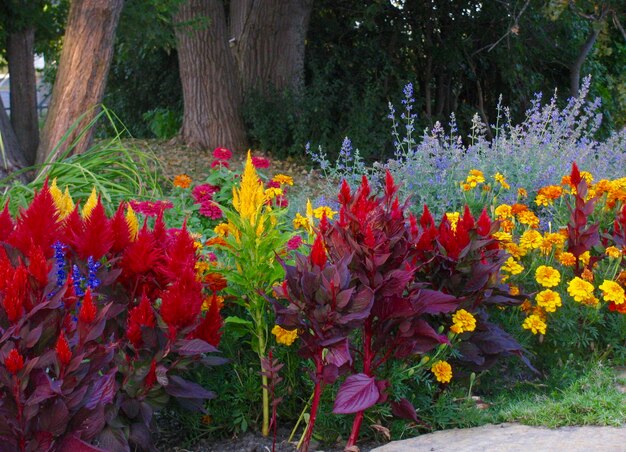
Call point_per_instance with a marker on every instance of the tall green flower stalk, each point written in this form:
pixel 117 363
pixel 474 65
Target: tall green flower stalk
pixel 253 237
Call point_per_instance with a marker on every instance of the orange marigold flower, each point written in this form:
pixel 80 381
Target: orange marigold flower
pixel 566 258
pixel 182 181
pixel 587 275
pixel 283 336
pixel 534 324
pixel 215 281
pixel 518 208
pixel 219 241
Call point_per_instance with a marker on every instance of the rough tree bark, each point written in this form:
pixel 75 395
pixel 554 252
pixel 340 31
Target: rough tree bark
pixel 211 90
pixel 20 56
pixel 83 69
pixel 268 39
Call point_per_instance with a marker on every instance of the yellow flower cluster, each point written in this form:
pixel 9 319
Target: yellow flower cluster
pixel 531 240
pixel 320 211
pixel 453 218
pixel 91 203
pixel 283 179
pixel 62 201
pixel 581 291
pixel 474 178
pixel 512 266
pixel 283 336
pixel 273 192
pixel 613 252
pixel 612 291
pixel 132 222
pixel 547 195
pixel 548 300
pixel 535 324
pixel 502 181
pixel 442 371
pixel 547 276
pixel 462 321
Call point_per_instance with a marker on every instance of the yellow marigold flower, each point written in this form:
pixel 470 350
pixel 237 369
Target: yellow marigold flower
pixel 514 290
pixel 208 301
pixel 273 192
pixel 283 336
pixel 534 324
pixel 549 300
pixel 584 258
pixel 201 267
pixel 522 193
pixel 474 178
pixel 547 276
pixel 547 195
pixel 320 211
pixel 529 218
pixel 91 203
pixel 442 371
pixel 301 222
pixel 507 225
pixel 222 229
pixel 503 237
pixel 453 218
pixel 283 179
pixel 502 181
pixel 587 176
pixel 531 239
pixel 611 291
pixel 462 321
pixel 250 197
pixel 197 245
pixel 132 223
pixel 182 181
pixel 613 252
pixel 580 290
pixel 566 258
pixel 503 211
pixel 515 250
pixel 512 267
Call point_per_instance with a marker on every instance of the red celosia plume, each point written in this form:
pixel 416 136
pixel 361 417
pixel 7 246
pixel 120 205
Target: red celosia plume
pixel 88 309
pixel 14 362
pixel 63 352
pixel 318 252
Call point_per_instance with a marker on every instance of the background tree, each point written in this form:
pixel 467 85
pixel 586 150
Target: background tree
pixel 82 73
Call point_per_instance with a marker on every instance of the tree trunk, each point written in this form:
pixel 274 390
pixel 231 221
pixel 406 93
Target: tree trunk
pixel 81 79
pixel 24 118
pixel 574 78
pixel 268 41
pixel 11 156
pixel 211 90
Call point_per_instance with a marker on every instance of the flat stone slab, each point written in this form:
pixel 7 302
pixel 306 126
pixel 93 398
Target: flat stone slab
pixel 515 438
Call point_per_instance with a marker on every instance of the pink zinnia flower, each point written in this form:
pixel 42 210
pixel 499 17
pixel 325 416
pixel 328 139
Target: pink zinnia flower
pixel 212 257
pixel 204 192
pixel 273 184
pixel 222 154
pixel 260 162
pixel 211 210
pixel 151 208
pixel 220 163
pixel 294 243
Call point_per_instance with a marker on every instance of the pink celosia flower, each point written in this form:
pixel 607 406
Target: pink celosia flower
pixel 204 192
pixel 151 208
pixel 222 154
pixel 294 243
pixel 211 210
pixel 260 162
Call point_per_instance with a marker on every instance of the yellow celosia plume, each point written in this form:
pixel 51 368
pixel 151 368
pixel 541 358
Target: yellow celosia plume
pixel 250 197
pixel 62 201
pixel 132 222
pixel 91 203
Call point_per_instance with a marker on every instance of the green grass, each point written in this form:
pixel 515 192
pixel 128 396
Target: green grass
pixel 589 398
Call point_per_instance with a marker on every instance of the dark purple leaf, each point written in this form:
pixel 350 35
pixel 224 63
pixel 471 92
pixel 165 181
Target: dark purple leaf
pixel 358 393
pixel 339 353
pixel 74 444
pixel 330 372
pixel 54 418
pixel 140 436
pixel 88 423
pixel 404 410
pixel 194 347
pixel 113 440
pixel 435 302
pixel 33 336
pixel 103 391
pixel 179 387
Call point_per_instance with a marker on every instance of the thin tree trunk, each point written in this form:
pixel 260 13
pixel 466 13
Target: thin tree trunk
pixel 24 118
pixel 11 156
pixel 268 41
pixel 81 79
pixel 211 91
pixel 574 78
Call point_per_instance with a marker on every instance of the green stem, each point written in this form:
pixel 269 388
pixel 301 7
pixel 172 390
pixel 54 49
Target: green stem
pixel 260 333
pixel 295 428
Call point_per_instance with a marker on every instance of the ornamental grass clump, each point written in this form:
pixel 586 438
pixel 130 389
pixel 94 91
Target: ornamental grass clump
pixel 379 285
pixel 99 318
